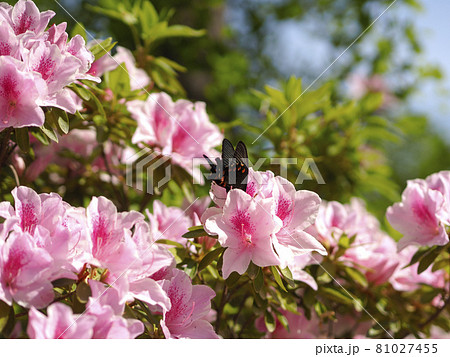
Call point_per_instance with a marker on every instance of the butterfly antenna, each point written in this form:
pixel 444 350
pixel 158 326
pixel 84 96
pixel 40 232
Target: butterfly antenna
pixel 212 164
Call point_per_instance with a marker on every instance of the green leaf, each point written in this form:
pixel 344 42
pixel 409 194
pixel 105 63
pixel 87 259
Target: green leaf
pixel 194 228
pixel 440 264
pixel 277 277
pixel 210 257
pixel 191 268
pixel 170 242
pixel 258 283
pixel 101 48
pixel 345 241
pixel 48 130
pixel 336 295
pixel 283 320
pixel 82 92
pixel 119 79
pixel 63 282
pixel 112 13
pixel 6 315
pixel 287 275
pixel 79 29
pixel 429 258
pixel 168 65
pixel 161 31
pixel 63 122
pixel 253 270
pixel 320 308
pixel 232 279
pixel 23 139
pixel 99 105
pixel 417 256
pixel 269 320
pixel 148 16
pixel 197 234
pixel 355 275
pixel 38 134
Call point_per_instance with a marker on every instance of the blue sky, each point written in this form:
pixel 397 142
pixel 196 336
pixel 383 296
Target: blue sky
pixel 434 26
pixel 295 46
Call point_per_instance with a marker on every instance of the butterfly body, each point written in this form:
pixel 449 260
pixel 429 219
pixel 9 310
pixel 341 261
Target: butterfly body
pixel 231 171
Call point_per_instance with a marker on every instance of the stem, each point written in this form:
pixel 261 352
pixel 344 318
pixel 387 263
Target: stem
pixel 226 295
pixel 244 326
pixel 4 145
pixel 145 201
pixel 121 198
pixel 16 177
pixel 20 314
pixel 221 306
pixel 442 308
pixel 436 314
pixel 62 297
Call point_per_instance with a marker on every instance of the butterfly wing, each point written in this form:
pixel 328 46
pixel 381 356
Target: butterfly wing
pixel 227 151
pixel 241 159
pixel 223 170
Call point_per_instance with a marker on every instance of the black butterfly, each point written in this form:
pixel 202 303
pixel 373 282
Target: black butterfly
pixel 232 170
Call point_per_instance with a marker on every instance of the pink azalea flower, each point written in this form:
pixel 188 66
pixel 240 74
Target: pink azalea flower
pixel 52 224
pixel 107 309
pixel 25 272
pixel 47 56
pixel 9 44
pixel 19 93
pixel 406 278
pixel 168 222
pixel 138 77
pixel 259 185
pixel 440 181
pixel 60 323
pixel 298 263
pixel 438 333
pixel 197 208
pixel 56 68
pixel 297 210
pixel 57 35
pixel 196 211
pixel 80 142
pixel 190 306
pixel 110 237
pixel 377 260
pixel 139 279
pixel 77 48
pixel 372 250
pixel 130 257
pixel 351 326
pixel 25 16
pixel 104 64
pixel 334 219
pixel 419 216
pixel 359 86
pixel 299 327
pixel 155 127
pixel 246 228
pixel 180 129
